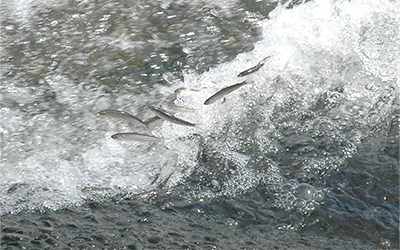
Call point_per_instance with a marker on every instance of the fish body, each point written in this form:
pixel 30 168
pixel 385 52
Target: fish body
pixel 254 69
pixel 170 118
pixel 223 92
pixel 123 115
pixel 175 108
pixel 135 137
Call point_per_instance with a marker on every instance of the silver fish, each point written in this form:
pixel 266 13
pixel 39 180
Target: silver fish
pixel 135 137
pixel 152 119
pixel 184 92
pixel 223 92
pixel 170 118
pixel 175 108
pixel 123 115
pixel 255 68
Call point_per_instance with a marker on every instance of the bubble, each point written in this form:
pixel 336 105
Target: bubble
pixel 319 196
pixel 290 185
pixel 302 176
pixel 305 191
pixel 291 198
pixel 285 193
pixel 305 176
pixel 231 222
pixel 215 183
pixel 287 187
pixel 293 182
pixel 385 70
pixel 299 203
pixel 310 205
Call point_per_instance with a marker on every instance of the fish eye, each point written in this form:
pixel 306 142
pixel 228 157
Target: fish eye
pixel 116 136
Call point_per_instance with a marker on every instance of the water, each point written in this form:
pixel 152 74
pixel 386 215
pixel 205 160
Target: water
pixel 309 146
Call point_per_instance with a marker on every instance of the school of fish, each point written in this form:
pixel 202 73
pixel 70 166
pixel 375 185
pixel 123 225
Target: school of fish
pixel 163 112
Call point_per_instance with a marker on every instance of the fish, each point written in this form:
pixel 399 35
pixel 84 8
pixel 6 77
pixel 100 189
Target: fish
pixel 184 91
pixel 223 92
pixel 123 115
pixel 175 108
pixel 254 69
pixel 151 120
pixel 169 117
pixel 135 137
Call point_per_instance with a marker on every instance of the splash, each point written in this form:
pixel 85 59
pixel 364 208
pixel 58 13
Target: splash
pixel 329 83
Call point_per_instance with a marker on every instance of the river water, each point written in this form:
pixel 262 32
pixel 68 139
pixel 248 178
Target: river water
pixel 305 155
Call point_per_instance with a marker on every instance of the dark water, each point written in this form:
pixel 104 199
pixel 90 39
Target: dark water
pixel 145 225
pixel 306 157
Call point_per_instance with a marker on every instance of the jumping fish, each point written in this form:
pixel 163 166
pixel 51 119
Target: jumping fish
pixel 184 91
pixel 123 115
pixel 135 137
pixel 223 92
pixel 170 118
pixel 151 120
pixel 175 108
pixel 255 68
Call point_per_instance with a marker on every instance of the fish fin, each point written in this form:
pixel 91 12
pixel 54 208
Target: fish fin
pixel 152 119
pixel 177 109
pixel 265 59
pixel 149 122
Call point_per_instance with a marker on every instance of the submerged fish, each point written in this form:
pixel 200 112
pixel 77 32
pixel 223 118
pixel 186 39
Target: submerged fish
pixel 134 137
pixel 223 92
pixel 170 118
pixel 255 68
pixel 123 115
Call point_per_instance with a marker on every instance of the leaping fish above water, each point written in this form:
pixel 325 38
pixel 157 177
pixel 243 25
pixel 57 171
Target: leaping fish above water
pixel 223 92
pixel 123 115
pixel 175 108
pixel 254 69
pixel 170 118
pixel 135 137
